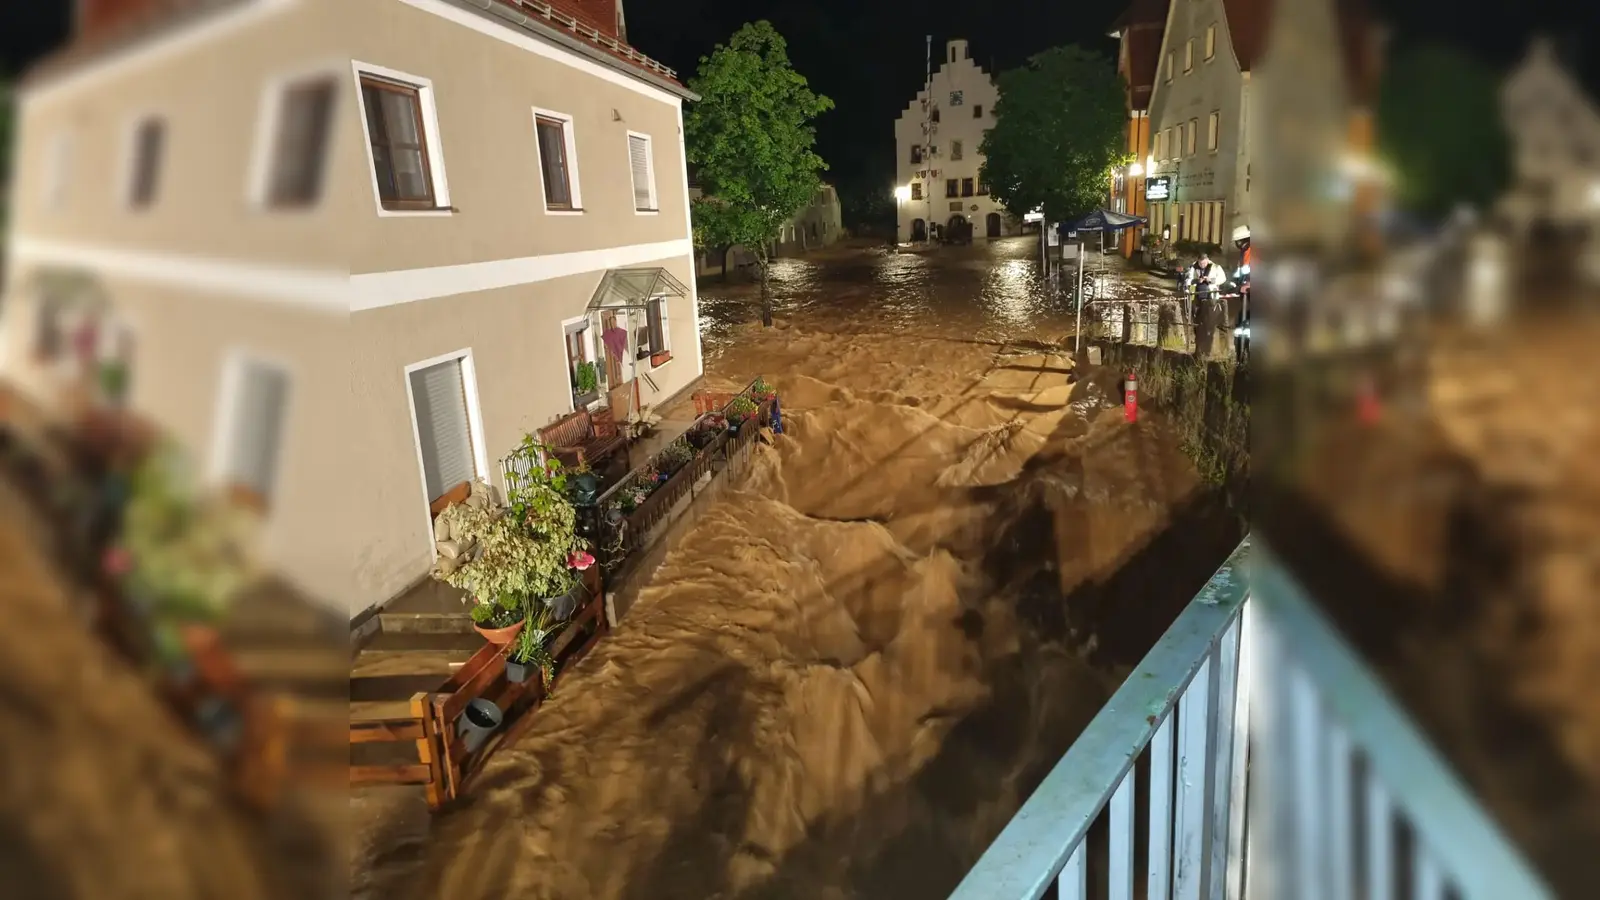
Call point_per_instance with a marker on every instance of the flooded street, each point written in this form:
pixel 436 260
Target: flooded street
pixel 854 667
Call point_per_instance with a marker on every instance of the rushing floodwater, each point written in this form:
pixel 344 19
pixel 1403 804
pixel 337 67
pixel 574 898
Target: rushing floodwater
pixel 852 669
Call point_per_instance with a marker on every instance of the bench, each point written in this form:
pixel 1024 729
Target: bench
pixel 584 438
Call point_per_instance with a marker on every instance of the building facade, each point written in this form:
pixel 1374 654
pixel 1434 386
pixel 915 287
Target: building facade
pixel 350 267
pixel 1555 148
pixel 936 141
pixel 1138 33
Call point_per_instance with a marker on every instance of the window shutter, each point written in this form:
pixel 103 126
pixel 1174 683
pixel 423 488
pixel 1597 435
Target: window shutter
pixel 441 405
pixel 658 343
pixel 257 428
pixel 639 156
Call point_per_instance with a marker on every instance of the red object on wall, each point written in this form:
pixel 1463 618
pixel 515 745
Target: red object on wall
pixel 1130 398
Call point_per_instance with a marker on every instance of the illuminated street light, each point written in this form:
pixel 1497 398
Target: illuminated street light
pixel 1135 170
pixel 902 192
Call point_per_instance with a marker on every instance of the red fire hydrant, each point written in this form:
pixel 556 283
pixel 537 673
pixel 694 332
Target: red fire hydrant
pixel 1130 398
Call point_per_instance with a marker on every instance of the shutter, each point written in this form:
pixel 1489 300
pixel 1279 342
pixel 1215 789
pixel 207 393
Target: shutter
pixel 658 338
pixel 257 428
pixel 441 405
pixel 639 156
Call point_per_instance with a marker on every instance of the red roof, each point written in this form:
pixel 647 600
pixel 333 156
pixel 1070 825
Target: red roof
pixel 1141 26
pixel 577 18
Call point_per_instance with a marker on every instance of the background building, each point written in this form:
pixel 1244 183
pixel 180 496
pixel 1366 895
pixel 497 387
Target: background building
pixel 1138 32
pixel 936 140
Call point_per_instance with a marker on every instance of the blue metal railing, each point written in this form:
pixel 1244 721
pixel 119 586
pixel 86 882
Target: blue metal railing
pixel 1252 698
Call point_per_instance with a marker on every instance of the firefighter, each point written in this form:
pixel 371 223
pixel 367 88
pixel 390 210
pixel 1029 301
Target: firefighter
pixel 1241 277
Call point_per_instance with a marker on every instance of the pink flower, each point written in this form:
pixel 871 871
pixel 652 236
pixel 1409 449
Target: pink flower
pixel 580 560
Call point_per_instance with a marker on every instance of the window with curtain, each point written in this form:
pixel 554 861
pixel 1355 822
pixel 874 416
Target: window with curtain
pixel 444 435
pixel 554 165
pixel 299 152
pixel 399 148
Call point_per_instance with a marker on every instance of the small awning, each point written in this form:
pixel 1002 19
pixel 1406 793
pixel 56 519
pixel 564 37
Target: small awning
pixel 634 288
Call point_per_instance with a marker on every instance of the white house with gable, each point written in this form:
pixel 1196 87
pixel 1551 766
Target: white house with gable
pixel 1555 149
pixel 936 141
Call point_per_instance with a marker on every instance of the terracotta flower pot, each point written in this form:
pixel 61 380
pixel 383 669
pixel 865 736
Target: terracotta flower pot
pixel 499 636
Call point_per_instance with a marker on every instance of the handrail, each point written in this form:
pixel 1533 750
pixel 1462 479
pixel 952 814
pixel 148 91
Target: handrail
pixel 1463 841
pixel 633 473
pixel 1036 845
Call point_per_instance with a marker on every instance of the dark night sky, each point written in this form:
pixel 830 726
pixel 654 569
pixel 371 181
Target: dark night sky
pixel 868 54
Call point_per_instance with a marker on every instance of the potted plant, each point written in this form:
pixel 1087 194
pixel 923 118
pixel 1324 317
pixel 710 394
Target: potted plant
pixel 585 384
pixel 675 456
pixel 762 391
pixel 740 410
pixel 584 484
pixel 499 620
pixel 529 653
pixel 521 550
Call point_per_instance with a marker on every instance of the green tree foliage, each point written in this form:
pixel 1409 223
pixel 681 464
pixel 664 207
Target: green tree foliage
pixel 1058 131
pixel 751 138
pixel 1440 130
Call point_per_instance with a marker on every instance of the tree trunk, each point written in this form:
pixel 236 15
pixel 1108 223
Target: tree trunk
pixel 766 294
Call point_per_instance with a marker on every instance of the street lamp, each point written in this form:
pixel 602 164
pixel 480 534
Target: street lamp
pixel 902 192
pixel 1135 170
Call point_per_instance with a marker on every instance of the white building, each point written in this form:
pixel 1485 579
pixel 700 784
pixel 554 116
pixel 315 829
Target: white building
pixel 1555 149
pixel 1198 164
pixel 936 142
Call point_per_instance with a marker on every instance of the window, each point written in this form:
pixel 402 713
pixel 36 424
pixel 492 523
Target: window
pixel 1177 141
pixel 983 189
pixel 149 140
pixel 256 397
pixel 934 116
pixel 952 187
pixel 397 136
pixel 300 143
pixel 952 54
pixel 1188 55
pixel 916 190
pixel 1169 64
pixel 1211 41
pixel 916 154
pixel 1213 130
pixel 444 424
pixel 1194 132
pixel 957 98
pixel 966 187
pixel 644 175
pixel 955 149
pixel 650 335
pixel 977 111
pixel 967 53
pixel 584 369
pixel 557 152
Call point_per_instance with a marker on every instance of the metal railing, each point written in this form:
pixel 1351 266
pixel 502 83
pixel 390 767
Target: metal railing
pixel 1251 699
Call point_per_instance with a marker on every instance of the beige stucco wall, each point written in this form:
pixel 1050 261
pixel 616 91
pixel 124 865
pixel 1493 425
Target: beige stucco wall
pixel 515 336
pixel 349 517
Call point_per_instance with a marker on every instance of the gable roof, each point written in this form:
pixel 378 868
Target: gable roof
pixel 1248 23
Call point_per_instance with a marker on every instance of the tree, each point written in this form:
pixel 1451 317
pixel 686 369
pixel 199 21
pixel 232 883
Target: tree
pixel 1057 134
pixel 751 137
pixel 1440 131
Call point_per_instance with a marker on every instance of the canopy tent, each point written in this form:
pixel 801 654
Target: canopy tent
pixel 1101 220
pixel 634 288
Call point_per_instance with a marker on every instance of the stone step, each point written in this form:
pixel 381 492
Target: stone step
pixel 425 623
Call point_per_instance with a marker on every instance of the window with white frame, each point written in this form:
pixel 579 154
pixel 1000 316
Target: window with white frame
pixel 444 426
pixel 302 123
pixel 557 146
pixel 144 164
pixel 404 148
pixel 256 402
pixel 585 370
pixel 642 164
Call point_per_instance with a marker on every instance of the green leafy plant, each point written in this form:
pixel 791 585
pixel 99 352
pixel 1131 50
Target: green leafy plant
pixel 1058 132
pixel 751 139
pixel 761 390
pixel 741 408
pixel 531 647
pixel 501 612
pixel 525 549
pixel 189 554
pixel 675 456
pixel 587 378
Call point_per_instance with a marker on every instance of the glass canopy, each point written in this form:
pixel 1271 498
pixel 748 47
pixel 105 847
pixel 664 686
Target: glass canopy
pixel 634 288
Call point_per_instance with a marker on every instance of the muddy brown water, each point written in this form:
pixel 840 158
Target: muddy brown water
pixel 855 667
